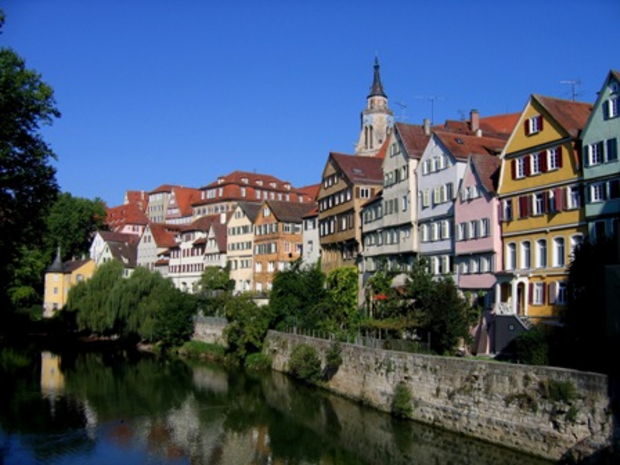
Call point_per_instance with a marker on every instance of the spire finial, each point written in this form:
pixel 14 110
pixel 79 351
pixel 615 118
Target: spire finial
pixel 377 87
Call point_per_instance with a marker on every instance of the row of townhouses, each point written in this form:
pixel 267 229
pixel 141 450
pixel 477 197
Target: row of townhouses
pixel 498 203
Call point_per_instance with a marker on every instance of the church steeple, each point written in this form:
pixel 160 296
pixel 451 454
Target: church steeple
pixel 377 88
pixel 56 267
pixel 377 119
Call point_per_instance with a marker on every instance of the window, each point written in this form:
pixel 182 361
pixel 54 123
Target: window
pixel 520 168
pixel 485 264
pixel 554 159
pixel 473 229
pixel 405 203
pixel 434 231
pixel 460 232
pixel 437 195
pixel 535 163
pixel 595 153
pixel 445 229
pixel 424 232
pixel 364 193
pixel 597 192
pixel 613 107
pixel 559 252
pixel 574 197
pixel 259 267
pixel 526 255
pixel 270 266
pixel 533 125
pixel 507 210
pixel 426 198
pixel 541 253
pixel 575 241
pixel 484 227
pixel 611 151
pixel 475 265
pixel 464 269
pixel 539 294
pixel 539 204
pixel 561 293
pixel 511 256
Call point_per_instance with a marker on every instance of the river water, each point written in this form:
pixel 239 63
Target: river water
pixel 122 407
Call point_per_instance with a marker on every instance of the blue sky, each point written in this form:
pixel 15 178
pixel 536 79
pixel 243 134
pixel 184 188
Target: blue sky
pixel 179 92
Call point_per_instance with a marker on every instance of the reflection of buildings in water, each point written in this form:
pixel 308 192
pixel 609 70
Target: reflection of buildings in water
pixel 52 379
pixel 211 380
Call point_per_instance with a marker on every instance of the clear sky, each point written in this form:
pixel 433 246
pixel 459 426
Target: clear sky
pixel 179 92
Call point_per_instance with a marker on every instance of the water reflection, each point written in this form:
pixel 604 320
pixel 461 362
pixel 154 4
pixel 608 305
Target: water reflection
pixel 120 406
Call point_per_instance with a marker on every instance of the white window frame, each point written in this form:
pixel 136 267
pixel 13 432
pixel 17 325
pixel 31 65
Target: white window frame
pixel 526 255
pixel 597 192
pixel 520 167
pixel 511 256
pixel 541 258
pixel 535 163
pixel 539 289
pixel 559 251
pixel 553 156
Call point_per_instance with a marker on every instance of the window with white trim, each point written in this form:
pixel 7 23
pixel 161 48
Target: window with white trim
pixel 541 253
pixel 424 232
pixel 460 232
pixel 575 241
pixel 613 107
pixel 473 229
pixel 559 252
pixel 539 204
pixel 595 153
pixel 534 125
pixel 561 293
pixel 520 164
pixel 445 229
pixel 535 163
pixel 511 256
pixel 434 231
pixel 553 159
pixel 426 198
pixel 597 192
pixel 484 227
pixel 573 197
pixel 538 297
pixel 526 255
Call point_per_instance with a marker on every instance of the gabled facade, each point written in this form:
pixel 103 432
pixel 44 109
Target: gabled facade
pixel 278 239
pixel 241 245
pixel 179 206
pixel 439 176
pixel 311 248
pixel 60 278
pixel 389 226
pixel 108 245
pixel 542 215
pixel 601 168
pixel 158 203
pixel 127 219
pixel 478 240
pixel 348 181
pixel 240 186
pixel 155 240
pixel 215 246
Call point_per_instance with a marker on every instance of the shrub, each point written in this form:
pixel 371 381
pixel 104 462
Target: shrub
pixel 202 349
pixel 532 348
pixel 401 403
pixel 558 391
pixel 305 363
pixel 258 361
pixel 333 360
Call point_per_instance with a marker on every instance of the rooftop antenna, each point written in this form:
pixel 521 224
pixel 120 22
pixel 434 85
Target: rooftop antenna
pixel 573 83
pixel 432 99
pixel 403 108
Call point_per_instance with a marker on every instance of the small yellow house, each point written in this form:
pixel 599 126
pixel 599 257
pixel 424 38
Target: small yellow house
pixel 59 278
pixel 541 208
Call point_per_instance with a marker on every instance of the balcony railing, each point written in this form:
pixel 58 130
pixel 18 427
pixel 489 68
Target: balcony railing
pixel 504 308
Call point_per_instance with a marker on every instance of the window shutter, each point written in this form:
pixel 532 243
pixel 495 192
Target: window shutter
pixel 560 155
pixel 531 297
pixel 526 127
pixel 524 206
pixel 528 164
pixel 558 198
pixel 552 292
pixel 544 292
pixel 543 162
pixel 357 192
pixel 514 169
pixel 545 207
pixel 540 122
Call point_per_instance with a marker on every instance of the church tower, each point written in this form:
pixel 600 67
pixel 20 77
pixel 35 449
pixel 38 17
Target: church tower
pixel 377 120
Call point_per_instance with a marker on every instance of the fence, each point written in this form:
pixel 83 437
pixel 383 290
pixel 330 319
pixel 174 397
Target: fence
pixel 372 340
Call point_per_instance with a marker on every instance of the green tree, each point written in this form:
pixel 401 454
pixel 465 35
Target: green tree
pixel 28 185
pixel 296 292
pixel 247 326
pixel 215 289
pixel 338 311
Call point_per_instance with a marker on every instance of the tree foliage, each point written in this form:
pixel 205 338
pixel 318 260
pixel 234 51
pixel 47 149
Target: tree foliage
pixel 28 185
pixel 295 294
pixel 247 326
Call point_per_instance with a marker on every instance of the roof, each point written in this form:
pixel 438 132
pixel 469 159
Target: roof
pixel 572 116
pixel 185 197
pixel 111 236
pixel 312 213
pixel 163 188
pixel 138 198
pixel 292 212
pixel 124 252
pixel 494 126
pixel 312 191
pixel 461 146
pixel 220 234
pixel 487 169
pixel 236 177
pixel 414 138
pixel 250 209
pixel 359 170
pixel 163 234
pixel 118 217
pixel 376 88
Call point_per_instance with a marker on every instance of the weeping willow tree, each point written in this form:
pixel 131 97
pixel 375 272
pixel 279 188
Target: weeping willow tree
pixel 145 305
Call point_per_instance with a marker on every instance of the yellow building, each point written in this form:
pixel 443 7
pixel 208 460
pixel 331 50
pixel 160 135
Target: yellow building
pixel 59 278
pixel 541 208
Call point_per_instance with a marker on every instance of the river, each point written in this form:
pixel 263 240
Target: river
pixel 121 407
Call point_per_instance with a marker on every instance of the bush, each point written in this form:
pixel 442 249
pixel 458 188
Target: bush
pixel 401 403
pixel 202 350
pixel 333 360
pixel 258 362
pixel 532 348
pixel 305 364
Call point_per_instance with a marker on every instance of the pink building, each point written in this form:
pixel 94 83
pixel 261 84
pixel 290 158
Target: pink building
pixel 478 243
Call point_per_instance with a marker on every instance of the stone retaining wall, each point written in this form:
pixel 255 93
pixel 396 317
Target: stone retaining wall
pixel 517 406
pixel 210 330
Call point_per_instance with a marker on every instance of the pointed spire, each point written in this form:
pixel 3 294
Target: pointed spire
pixel 377 87
pixel 56 267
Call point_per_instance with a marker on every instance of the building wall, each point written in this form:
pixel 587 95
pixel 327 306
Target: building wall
pixel 240 250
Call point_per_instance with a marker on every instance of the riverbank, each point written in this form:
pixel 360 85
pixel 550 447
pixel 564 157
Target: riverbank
pixel 552 413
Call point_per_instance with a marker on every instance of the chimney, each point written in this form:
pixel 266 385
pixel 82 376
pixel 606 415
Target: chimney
pixel 427 127
pixel 474 121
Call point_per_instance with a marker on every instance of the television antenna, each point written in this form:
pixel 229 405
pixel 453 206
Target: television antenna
pixel 432 99
pixel 573 83
pixel 403 108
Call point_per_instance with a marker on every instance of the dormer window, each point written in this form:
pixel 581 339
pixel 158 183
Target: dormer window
pixel 220 180
pixel 244 180
pixel 272 184
pixel 259 182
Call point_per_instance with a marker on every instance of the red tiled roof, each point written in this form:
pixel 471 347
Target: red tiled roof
pixel 220 233
pixel 118 217
pixel 163 234
pixel 461 146
pixel 163 188
pixel 138 198
pixel 312 213
pixel 414 139
pixel 499 124
pixel 236 177
pixel 360 170
pixel 111 236
pixel 572 116
pixel 487 169
pixel 185 197
pixel 312 191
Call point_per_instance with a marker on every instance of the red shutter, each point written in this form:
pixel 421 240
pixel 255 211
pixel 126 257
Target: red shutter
pixel 545 207
pixel 531 297
pixel 558 195
pixel 357 192
pixel 559 157
pixel 540 122
pixel 528 163
pixel 543 161
pixel 523 207
pixel 544 292
pixel 514 169
pixel 526 127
